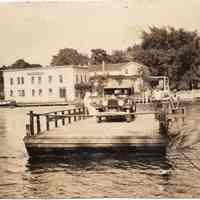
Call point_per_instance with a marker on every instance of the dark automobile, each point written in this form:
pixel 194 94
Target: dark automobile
pixel 115 108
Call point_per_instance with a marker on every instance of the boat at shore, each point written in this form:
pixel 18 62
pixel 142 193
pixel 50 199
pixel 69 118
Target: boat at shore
pixel 7 103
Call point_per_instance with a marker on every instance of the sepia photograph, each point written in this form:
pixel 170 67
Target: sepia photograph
pixel 100 99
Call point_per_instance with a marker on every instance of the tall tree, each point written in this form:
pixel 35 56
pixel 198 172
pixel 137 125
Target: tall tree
pixel 99 55
pixel 20 63
pixel 118 56
pixel 171 52
pixel 69 56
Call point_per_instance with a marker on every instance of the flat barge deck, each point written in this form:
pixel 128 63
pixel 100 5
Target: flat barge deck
pixel 141 134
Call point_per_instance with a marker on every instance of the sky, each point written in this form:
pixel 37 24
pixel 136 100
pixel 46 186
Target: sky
pixel 35 31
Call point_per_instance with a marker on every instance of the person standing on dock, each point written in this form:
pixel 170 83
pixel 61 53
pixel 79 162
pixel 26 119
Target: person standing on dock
pixel 174 101
pixel 87 104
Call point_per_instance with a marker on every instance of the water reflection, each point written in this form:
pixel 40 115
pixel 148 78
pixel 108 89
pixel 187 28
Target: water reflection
pixel 102 170
pixel 91 161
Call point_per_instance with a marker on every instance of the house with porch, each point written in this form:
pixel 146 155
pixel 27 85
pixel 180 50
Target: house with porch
pixel 125 77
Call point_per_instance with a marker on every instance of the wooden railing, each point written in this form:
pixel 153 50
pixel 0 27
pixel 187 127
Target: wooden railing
pixel 65 116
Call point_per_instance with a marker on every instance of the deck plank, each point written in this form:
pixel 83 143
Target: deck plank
pixel 142 126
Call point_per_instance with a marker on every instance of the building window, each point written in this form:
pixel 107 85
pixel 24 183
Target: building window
pixel 77 80
pixel 40 92
pixel 61 78
pixel 81 78
pixel 62 93
pixel 126 71
pixel 50 91
pixel 11 93
pixel 50 79
pixel 32 79
pixel 22 80
pixel 33 92
pixel 39 79
pixel 18 80
pixel 23 93
pixel 11 81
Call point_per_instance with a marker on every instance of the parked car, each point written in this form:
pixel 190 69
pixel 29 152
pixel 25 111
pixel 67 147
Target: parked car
pixel 112 108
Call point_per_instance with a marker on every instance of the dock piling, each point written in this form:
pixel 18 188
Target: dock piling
pixel 74 114
pixel 56 120
pixel 163 122
pixel 69 118
pixel 28 134
pixel 79 112
pixel 47 122
pixel 31 123
pixel 63 120
pixel 38 124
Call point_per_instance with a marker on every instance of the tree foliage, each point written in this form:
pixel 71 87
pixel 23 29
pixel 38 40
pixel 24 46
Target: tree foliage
pixel 20 64
pixel 69 56
pixel 100 55
pixel 118 56
pixel 171 52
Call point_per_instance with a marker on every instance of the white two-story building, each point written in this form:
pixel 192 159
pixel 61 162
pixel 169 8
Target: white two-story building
pixel 44 84
pixel 120 75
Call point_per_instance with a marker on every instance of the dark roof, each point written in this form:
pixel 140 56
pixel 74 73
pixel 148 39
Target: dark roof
pixel 108 67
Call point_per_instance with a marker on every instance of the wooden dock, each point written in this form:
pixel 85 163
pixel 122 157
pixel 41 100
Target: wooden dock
pixel 80 132
pixel 40 104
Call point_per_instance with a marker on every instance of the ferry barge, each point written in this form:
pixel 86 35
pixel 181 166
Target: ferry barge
pixel 143 127
pixel 77 131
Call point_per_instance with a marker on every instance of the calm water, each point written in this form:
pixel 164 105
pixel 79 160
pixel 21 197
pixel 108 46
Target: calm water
pixel 99 175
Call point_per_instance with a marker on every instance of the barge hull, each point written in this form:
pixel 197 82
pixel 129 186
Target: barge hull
pixel 118 149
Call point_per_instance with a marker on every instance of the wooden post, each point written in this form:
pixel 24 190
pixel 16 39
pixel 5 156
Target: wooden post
pixel 38 124
pixel 79 112
pixel 47 122
pixel 74 114
pixel 183 110
pixel 56 120
pixel 69 118
pixel 31 123
pixel 63 120
pixel 83 112
pixel 163 123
